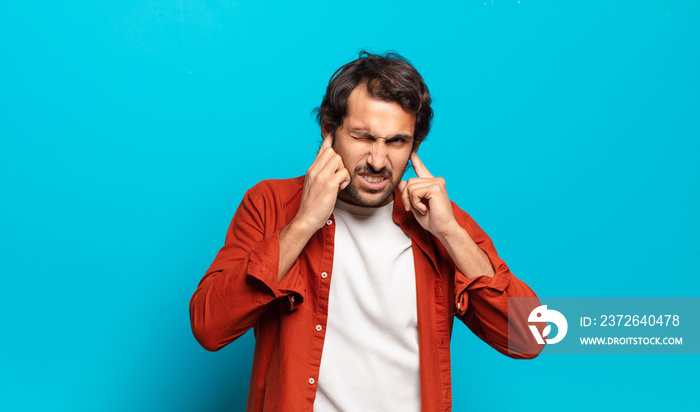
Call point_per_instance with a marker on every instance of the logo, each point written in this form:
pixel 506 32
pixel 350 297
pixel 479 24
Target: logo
pixel 542 314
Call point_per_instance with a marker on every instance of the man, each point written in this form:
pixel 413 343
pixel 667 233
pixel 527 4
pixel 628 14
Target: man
pixel 350 276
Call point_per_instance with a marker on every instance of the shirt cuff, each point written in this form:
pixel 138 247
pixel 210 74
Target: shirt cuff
pixel 263 261
pixel 498 282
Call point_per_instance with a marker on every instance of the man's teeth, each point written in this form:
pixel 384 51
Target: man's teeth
pixel 373 179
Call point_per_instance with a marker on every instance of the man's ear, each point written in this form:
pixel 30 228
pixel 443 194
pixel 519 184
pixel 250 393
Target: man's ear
pixel 326 129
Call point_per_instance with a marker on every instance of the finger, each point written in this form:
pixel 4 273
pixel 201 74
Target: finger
pixel 420 185
pixel 327 160
pixel 412 197
pixel 332 162
pixel 424 184
pixel 419 167
pixel 340 165
pixel 345 176
pixel 404 195
pixel 417 196
pixel 327 142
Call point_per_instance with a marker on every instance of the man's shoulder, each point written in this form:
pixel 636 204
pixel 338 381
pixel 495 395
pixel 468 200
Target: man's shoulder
pixel 280 189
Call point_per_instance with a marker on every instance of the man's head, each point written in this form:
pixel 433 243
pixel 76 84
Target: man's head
pixel 377 108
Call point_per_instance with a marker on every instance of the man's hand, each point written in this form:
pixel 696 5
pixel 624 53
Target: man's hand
pixel 324 179
pixel 427 197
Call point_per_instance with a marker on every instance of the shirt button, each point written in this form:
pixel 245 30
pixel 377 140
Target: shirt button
pixel 458 306
pixel 324 275
pixel 318 328
pixel 329 222
pixel 311 381
pixel 292 298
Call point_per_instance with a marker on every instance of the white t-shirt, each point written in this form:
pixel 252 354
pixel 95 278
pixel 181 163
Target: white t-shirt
pixel 370 358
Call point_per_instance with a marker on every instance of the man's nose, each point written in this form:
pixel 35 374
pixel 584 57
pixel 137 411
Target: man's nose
pixel 378 155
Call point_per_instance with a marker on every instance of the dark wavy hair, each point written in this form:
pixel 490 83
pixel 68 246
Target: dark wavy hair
pixel 389 77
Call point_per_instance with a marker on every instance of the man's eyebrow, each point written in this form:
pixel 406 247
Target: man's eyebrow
pixel 369 135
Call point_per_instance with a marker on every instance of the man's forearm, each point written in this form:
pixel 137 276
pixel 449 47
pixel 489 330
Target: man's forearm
pixel 292 239
pixel 466 254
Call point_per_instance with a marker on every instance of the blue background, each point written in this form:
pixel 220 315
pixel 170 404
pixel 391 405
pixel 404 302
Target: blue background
pixel 131 129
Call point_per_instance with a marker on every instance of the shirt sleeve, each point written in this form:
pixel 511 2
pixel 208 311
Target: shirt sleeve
pixel 241 283
pixel 482 301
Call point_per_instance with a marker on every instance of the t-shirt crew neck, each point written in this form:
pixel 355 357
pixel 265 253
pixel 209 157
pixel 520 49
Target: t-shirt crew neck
pixel 363 211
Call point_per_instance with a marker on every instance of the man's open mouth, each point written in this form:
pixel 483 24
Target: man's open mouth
pixel 373 179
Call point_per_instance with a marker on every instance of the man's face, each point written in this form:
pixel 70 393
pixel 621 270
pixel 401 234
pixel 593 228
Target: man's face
pixel 375 143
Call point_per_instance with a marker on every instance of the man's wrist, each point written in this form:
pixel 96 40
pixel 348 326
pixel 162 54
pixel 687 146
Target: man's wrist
pixel 469 258
pixel 292 240
pixel 454 233
pixel 301 229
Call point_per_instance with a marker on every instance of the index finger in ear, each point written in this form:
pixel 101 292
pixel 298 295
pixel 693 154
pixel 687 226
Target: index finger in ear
pixel 419 167
pixel 327 143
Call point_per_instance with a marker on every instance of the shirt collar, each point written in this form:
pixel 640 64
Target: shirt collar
pixel 410 225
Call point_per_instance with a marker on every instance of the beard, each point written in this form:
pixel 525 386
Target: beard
pixel 353 193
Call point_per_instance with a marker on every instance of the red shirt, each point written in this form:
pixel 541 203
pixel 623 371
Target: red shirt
pixel 240 290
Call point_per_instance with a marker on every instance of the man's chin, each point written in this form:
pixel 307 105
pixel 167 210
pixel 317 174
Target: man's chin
pixel 365 197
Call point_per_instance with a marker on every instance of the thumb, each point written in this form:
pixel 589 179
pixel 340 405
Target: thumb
pixel 345 176
pixel 404 197
pixel 345 183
